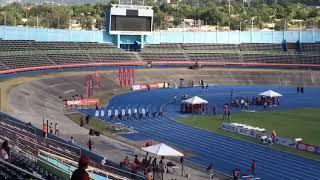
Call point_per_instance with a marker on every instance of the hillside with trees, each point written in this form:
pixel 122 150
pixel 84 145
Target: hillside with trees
pixel 257 14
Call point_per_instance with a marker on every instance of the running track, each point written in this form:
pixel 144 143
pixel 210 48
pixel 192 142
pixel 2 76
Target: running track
pixel 223 152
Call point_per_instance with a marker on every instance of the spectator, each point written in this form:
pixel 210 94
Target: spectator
pixel 90 144
pixel 214 110
pixel 237 174
pixel 51 128
pixel 5 150
pixel 71 140
pixel 149 174
pixel 81 121
pixel 265 105
pixel 298 89
pixel 87 119
pixel 133 170
pixel 278 101
pixel 253 168
pixel 149 161
pixel 154 163
pixel 136 160
pixel 44 130
pixel 56 129
pixel 80 173
pixel 229 114
pixel 301 89
pixel 104 161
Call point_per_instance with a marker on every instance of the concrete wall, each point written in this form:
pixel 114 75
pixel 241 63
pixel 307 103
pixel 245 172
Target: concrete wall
pixel 233 37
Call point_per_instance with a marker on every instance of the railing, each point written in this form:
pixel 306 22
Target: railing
pixel 21 170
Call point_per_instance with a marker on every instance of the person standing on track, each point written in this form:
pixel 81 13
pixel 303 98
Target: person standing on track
pixel 90 144
pixel 253 168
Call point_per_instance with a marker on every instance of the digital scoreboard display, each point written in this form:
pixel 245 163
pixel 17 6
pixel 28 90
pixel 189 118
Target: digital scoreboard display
pixel 129 20
pixel 130 23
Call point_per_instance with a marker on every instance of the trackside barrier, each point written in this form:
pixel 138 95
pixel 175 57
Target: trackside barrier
pixel 169 63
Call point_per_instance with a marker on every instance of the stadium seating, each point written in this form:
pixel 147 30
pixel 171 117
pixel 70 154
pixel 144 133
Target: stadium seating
pixel 217 47
pixel 10 171
pixel 260 47
pixel 30 140
pixel 17 54
pixel 216 57
pixel 163 56
pixel 310 47
pixel 16 45
pixel 168 46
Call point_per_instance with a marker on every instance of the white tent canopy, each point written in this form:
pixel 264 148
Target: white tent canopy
pixel 195 100
pixel 270 93
pixel 162 150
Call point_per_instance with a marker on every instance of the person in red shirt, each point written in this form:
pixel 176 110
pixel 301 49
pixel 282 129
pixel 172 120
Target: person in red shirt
pixel 81 173
pixel 133 170
pixel 253 168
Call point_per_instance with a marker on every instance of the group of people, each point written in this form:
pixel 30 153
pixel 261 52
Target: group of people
pixel 300 89
pixel 82 118
pixel 237 172
pixel 52 129
pixel 146 165
pixel 241 102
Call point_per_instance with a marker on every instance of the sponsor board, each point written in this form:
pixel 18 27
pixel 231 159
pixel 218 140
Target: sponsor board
pixel 302 146
pixel 136 87
pixel 286 142
pixel 228 127
pixel 84 102
pixel 308 148
pixel 153 86
pixel 311 148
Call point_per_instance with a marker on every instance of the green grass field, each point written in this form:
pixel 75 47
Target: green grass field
pixel 303 123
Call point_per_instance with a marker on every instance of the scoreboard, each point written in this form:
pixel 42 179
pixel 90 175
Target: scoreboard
pixel 129 20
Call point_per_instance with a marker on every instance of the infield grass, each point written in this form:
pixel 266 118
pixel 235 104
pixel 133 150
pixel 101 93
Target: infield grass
pixel 303 123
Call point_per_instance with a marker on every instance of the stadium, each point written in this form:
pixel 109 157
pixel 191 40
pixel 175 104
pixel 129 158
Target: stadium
pixel 200 105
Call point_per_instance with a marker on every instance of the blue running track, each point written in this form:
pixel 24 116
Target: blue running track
pixel 225 153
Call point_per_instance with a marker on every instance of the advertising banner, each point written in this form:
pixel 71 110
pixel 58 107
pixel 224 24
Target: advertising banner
pixel 302 146
pixel 153 86
pixel 286 142
pixel 311 148
pixel 84 102
pixel 136 87
pixel 228 127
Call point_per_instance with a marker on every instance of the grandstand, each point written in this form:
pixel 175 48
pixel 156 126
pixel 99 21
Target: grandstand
pixel 26 54
pixel 51 158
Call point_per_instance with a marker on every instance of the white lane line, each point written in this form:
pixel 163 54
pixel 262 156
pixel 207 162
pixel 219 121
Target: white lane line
pixel 69 91
pixel 54 85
